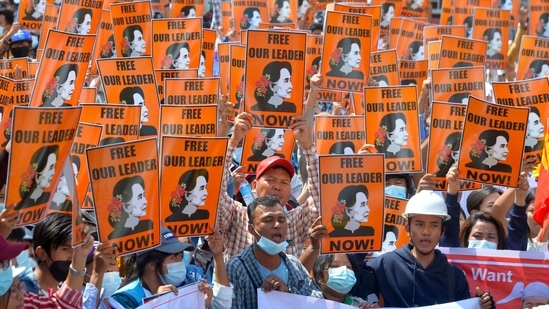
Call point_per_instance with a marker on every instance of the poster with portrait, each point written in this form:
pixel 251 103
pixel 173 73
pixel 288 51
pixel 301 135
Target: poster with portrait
pixel 313 56
pixel 413 72
pixel 62 70
pixel 283 11
pixel 41 142
pixel 534 94
pixel 88 95
pixel 539 20
pixel 261 143
pixel 492 26
pixel 163 75
pixel 394 225
pixel 80 17
pixel 188 120
pixel 8 67
pixel 224 58
pixel 456 84
pixel 464 12
pixel 177 43
pixel 105 44
pixel 274 76
pixel 121 123
pixel 492 143
pixel 384 69
pixel 394 33
pixel 339 134
pixel 49 21
pixel 346 51
pixel 206 64
pixel 410 41
pixel 125 187
pixel 187 9
pixel 392 126
pixel 456 52
pixel 237 66
pixel 247 14
pixel 415 9
pixel 533 60
pixel 389 9
pixel 433 55
pixel 87 136
pixel 352 192
pixel 132 28
pixel 362 8
pixel 65 196
pixel 132 81
pixel 185 91
pixel 31 14
pixel 435 32
pixel 191 173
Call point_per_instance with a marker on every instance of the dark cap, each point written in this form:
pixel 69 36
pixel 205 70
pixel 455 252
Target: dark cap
pixel 171 244
pixel 9 250
pixel 274 161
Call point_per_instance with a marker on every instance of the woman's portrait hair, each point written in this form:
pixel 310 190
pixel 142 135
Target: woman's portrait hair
pixel 186 11
pixel 386 14
pixel 248 15
pixel 489 33
pixel 77 25
pixel 344 46
pixel 126 95
pixel 59 78
pixel 35 10
pixel 188 182
pixel 280 5
pixel 272 73
pixel 488 138
pixel 542 28
pixel 174 52
pixel 108 49
pixel 539 67
pixel 111 140
pixel 38 164
pixel 414 48
pixel 123 192
pixel 446 156
pixel 382 80
pixel 483 216
pixel 459 97
pixel 128 37
pixel 388 124
pixel 344 147
pixel 347 198
pixel 259 148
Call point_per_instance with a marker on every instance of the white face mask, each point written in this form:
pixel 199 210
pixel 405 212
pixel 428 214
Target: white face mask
pixel 111 283
pixel 482 244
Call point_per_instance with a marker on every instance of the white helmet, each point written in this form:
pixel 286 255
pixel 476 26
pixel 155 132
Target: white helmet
pixel 426 202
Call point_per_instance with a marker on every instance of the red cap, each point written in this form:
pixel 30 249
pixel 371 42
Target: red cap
pixel 274 161
pixel 9 250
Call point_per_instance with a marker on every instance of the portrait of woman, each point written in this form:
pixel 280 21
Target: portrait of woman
pixel 81 21
pixel 177 56
pixel 487 152
pixel 251 19
pixel 60 88
pixel 202 65
pixel 38 177
pixel 538 68
pixel 61 200
pixel 350 211
pixel 281 12
pixel 392 135
pixel 108 50
pixel 312 70
pixel 387 13
pixel 266 144
pixel 274 87
pixel 75 161
pixel 493 37
pixel 381 80
pixel 133 43
pixel 390 238
pixel 342 148
pixel 35 10
pixel 128 205
pixel 136 96
pixel 542 27
pixel 190 194
pixel 188 11
pixel 346 59
pixel 449 154
pixel 468 23
pixel 460 98
pixel 415 5
pixel 506 5
pixel 534 131
pixel 415 51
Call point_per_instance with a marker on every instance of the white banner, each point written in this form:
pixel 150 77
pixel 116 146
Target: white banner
pixel 187 297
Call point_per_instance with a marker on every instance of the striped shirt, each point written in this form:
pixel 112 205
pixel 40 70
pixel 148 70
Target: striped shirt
pixel 64 298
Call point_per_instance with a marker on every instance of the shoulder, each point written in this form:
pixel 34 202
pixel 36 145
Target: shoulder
pixel 238 260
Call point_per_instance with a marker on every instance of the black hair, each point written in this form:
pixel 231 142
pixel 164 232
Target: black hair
pixel 265 201
pixel 38 162
pixel 344 45
pixel 129 35
pixel 272 70
pixel 52 232
pixel 339 147
pixel 347 198
pixel 8 16
pixel 188 181
pixel 476 197
pixel 315 26
pixel 135 266
pixel 61 75
pixel 187 9
pixel 388 122
pixel 126 95
pixel 389 228
pixel 489 137
pixel 484 217
pixel 458 97
pixel 174 51
pixel 111 140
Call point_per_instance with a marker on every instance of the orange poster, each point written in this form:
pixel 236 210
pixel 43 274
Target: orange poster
pixel 383 68
pixel 50 20
pixel 227 20
pixel 80 17
pixel 247 14
pixel 41 141
pixel 464 12
pixel 187 8
pixel 361 8
pixel 456 52
pixel 87 136
pixel 455 85
pixel 389 9
pixel 8 67
pixel 6 91
pixel 120 122
pixel 283 11
pixel 492 143
pixel 434 54
pixel 191 91
pixel 62 69
pixel 392 126
pixel 192 169
pixel 410 42
pixel 533 58
pixel 339 134
pixel 274 76
pixel 163 75
pixel 205 67
pixel 447 13
pixel 22 91
pixel 394 25
pixel 534 94
pixel 87 95
pixel 312 64
pixel 33 69
pixel 352 189
pixel 6 109
pixel 188 120
pixel 346 51
pixel 105 45
pixel 132 82
pixel 415 9
pixel 31 14
pixel 435 33
pixel 261 143
pixel 125 186
pixel 236 75
pixel 492 26
pixel 357 106
pixel 177 43
pixel 132 28
pixel 223 51
pixel 394 229
pixel 413 72
pixel 539 17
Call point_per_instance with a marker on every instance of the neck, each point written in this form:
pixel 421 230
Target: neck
pixel 59 198
pixel 490 161
pixel 151 280
pixel 189 210
pixel 36 193
pixel 268 152
pixel 346 69
pixel 333 295
pixel 275 100
pixel 424 259
pixel 393 148
pixel 131 222
pixel 57 102
pixel 44 278
pixel 530 141
pixel 352 225
pixel 271 262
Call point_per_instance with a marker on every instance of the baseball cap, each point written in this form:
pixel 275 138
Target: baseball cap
pixel 274 161
pixel 170 243
pixel 9 250
pixel 21 35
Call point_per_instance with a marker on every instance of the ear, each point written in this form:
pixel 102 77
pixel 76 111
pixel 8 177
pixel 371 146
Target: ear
pixel 254 184
pixel 40 253
pixel 407 227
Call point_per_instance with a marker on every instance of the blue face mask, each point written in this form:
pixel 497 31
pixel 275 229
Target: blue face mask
pixel 6 279
pixel 111 283
pixel 187 257
pixel 24 260
pixel 395 191
pixel 176 273
pixel 270 247
pixel 237 155
pixel 482 244
pixel 341 279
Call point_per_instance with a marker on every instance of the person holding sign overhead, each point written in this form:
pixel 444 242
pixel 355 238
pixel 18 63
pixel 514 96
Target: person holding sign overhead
pixel 178 55
pixel 267 143
pixel 127 206
pixel 487 152
pixel 136 96
pixel 61 86
pixel 274 85
pixel 251 19
pixel 392 135
pixel 493 36
pixel 133 43
pixel 350 211
pixel 534 131
pixel 189 195
pixel 345 59
pixel 281 12
pixel 80 22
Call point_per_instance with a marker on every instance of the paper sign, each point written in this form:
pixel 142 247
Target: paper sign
pixel 180 91
pixel 394 228
pixel 533 58
pixel 247 15
pixel 189 120
pixel 455 85
pixel 413 72
pixel 132 28
pixel 384 69
pixel 177 43
pixel 456 52
pixel 492 25
pixel 87 136
pixel 410 42
pixel 261 143
pixel 80 17
pixel 339 134
pixel 120 122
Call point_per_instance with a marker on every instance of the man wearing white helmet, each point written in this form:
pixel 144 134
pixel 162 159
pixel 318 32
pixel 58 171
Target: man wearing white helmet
pixel 418 274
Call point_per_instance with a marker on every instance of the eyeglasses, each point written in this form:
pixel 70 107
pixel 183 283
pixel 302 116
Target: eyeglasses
pixel 6 264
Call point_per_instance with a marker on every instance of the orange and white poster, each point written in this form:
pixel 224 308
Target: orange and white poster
pixel 455 85
pixel 274 76
pixel 415 9
pixel 346 51
pixel 435 33
pixel 31 14
pixel 362 8
pixel 49 21
pixel 185 91
pixel 237 68
pixel 539 16
pixel 464 12
pixel 132 28
pixel 80 17
pixel 492 26
pixel 384 68
pixel 433 55
pixel 312 64
pixel 8 67
pixel 177 43
pixel 88 95
pixel 22 91
pixel 192 169
pixel 394 228
pixel 352 192
pixel 189 120
pixel 248 14
pixel 205 67
pixel 105 44
pixel 125 186
pixel 41 142
pixel 224 56
pixel 339 134
pixel 456 52
pixel 283 11
pixel 413 72
pixel 227 21
pixel 87 136
pixel 120 122
pixel 492 143
pixel 533 58
pixel 163 75
pixel 410 42
pixel 187 9
pixel 392 126
pixel 261 143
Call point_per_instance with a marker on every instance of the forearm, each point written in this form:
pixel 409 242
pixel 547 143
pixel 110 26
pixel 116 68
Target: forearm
pixel 513 52
pixel 308 257
pixel 502 206
pixel 517 236
pixel 220 272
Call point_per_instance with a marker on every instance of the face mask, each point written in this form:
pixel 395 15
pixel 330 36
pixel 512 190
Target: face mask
pixel 187 257
pixel 176 273
pixel 60 270
pixel 1 31
pixel 395 191
pixel 19 52
pixel 341 279
pixel 270 247
pixel 111 283
pixel 482 244
pixel 6 279
pixel 34 42
pixel 237 155
pixel 24 260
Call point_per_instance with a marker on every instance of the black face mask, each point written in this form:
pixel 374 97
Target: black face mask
pixel 60 270
pixel 19 52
